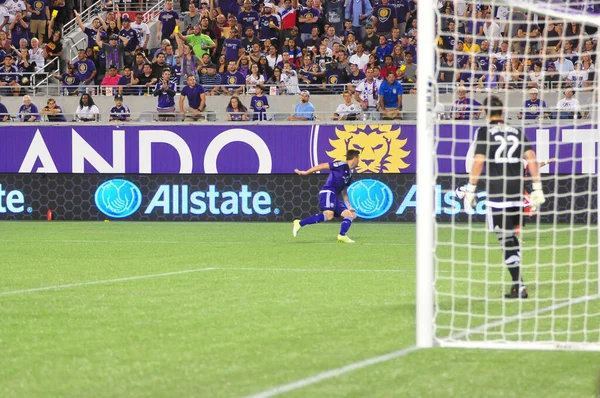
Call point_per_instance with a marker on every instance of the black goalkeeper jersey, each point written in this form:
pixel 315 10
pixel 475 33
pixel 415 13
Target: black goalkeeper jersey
pixel 503 147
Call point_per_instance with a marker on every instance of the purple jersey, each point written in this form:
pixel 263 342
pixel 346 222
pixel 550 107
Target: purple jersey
pixel 232 47
pixel 169 21
pixel 533 108
pixel 340 176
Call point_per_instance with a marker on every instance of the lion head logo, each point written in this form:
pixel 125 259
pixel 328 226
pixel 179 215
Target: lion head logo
pixel 380 146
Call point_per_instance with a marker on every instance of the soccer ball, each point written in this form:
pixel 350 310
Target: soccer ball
pixel 461 192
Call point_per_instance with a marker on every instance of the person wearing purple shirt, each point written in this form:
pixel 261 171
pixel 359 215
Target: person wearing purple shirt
pixel 256 4
pixel 259 104
pixel 91 32
pixel 85 69
pixel 231 46
pixel 232 81
pixel 19 29
pixel 385 17
pixel 28 112
pixel 269 24
pixel 196 96
pixel 534 107
pixel 248 17
pixel 333 197
pixel 167 20
pixel 308 19
pixel 465 108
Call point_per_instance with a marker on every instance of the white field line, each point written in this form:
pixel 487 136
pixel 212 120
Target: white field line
pixel 330 374
pixel 170 242
pixel 105 281
pixel 524 316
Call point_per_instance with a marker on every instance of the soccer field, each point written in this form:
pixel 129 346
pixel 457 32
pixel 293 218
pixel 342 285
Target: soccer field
pixel 125 309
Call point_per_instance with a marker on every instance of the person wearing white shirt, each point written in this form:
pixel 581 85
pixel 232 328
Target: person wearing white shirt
pixel 360 58
pixel 568 107
pixel 87 111
pixel 347 110
pixel 367 94
pixel 289 78
pixel 14 6
pixel 564 66
pixel 36 54
pixel 142 30
pixel 4 18
pixel 578 77
pixel 491 30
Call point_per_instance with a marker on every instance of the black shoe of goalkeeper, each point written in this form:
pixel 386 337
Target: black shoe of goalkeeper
pixel 517 291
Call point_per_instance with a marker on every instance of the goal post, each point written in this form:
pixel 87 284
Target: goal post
pixel 461 277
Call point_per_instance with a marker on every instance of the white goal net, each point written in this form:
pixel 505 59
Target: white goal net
pixel 539 59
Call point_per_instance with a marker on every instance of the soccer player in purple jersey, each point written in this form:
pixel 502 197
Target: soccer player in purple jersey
pixel 333 198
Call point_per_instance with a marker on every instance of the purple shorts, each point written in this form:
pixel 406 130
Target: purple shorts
pixel 329 200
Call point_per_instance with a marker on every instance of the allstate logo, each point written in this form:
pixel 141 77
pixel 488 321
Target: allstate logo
pixel 118 198
pixel 370 198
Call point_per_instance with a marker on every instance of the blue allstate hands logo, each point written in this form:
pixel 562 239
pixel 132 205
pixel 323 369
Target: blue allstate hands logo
pixel 370 198
pixel 118 198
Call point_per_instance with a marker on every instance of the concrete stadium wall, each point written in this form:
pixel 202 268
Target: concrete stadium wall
pixel 281 104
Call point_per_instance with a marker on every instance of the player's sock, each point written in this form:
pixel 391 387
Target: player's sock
pixel 346 224
pixel 317 218
pixel 512 254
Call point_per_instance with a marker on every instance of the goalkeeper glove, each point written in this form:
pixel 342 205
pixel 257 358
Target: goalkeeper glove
pixel 470 201
pixel 537 196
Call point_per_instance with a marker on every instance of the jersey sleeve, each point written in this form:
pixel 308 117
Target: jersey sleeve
pixel 336 165
pixel 481 142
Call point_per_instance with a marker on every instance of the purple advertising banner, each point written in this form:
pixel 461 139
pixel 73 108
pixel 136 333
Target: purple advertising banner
pixel 262 149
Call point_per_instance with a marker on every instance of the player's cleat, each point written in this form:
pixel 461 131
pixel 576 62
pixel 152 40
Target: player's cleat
pixel 296 228
pixel 517 291
pixel 344 239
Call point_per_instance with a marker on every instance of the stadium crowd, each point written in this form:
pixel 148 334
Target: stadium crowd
pixel 229 47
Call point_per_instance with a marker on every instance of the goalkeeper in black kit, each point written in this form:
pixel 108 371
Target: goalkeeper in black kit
pixel 503 147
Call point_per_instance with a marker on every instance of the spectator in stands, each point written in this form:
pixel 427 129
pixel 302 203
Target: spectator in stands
pixel 254 78
pixel 390 97
pixel 534 107
pixel 370 40
pixel 162 49
pixel 69 81
pixel 231 46
pixel 304 110
pixel 147 79
pixel 189 63
pixel 4 115
pixel 126 83
pixel 211 80
pixel 91 33
pixel 190 19
pixel 19 29
pixel 167 21
pixel 114 50
pixel 9 77
pixel 552 77
pixel 259 103
pixel 138 67
pixel 54 47
pixel 112 78
pixel 358 11
pixel 131 45
pixel 367 94
pixel 165 91
pixel 536 76
pixel 200 42
pixel 236 111
pixel 465 108
pixel 385 17
pixel 308 18
pixel 233 82
pixel 568 107
pixel 159 66
pixel 28 112
pixel 578 78
pixel 87 111
pixel 361 59
pixel 39 19
pixel 564 66
pixel 289 78
pixel 196 96
pixel 347 110
pixel 53 112
pixel 142 30
pixel 85 69
pixel 119 112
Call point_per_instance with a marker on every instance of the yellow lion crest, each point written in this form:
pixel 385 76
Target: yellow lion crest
pixel 379 145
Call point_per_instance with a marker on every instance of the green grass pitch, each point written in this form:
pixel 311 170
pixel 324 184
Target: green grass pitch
pixel 260 309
